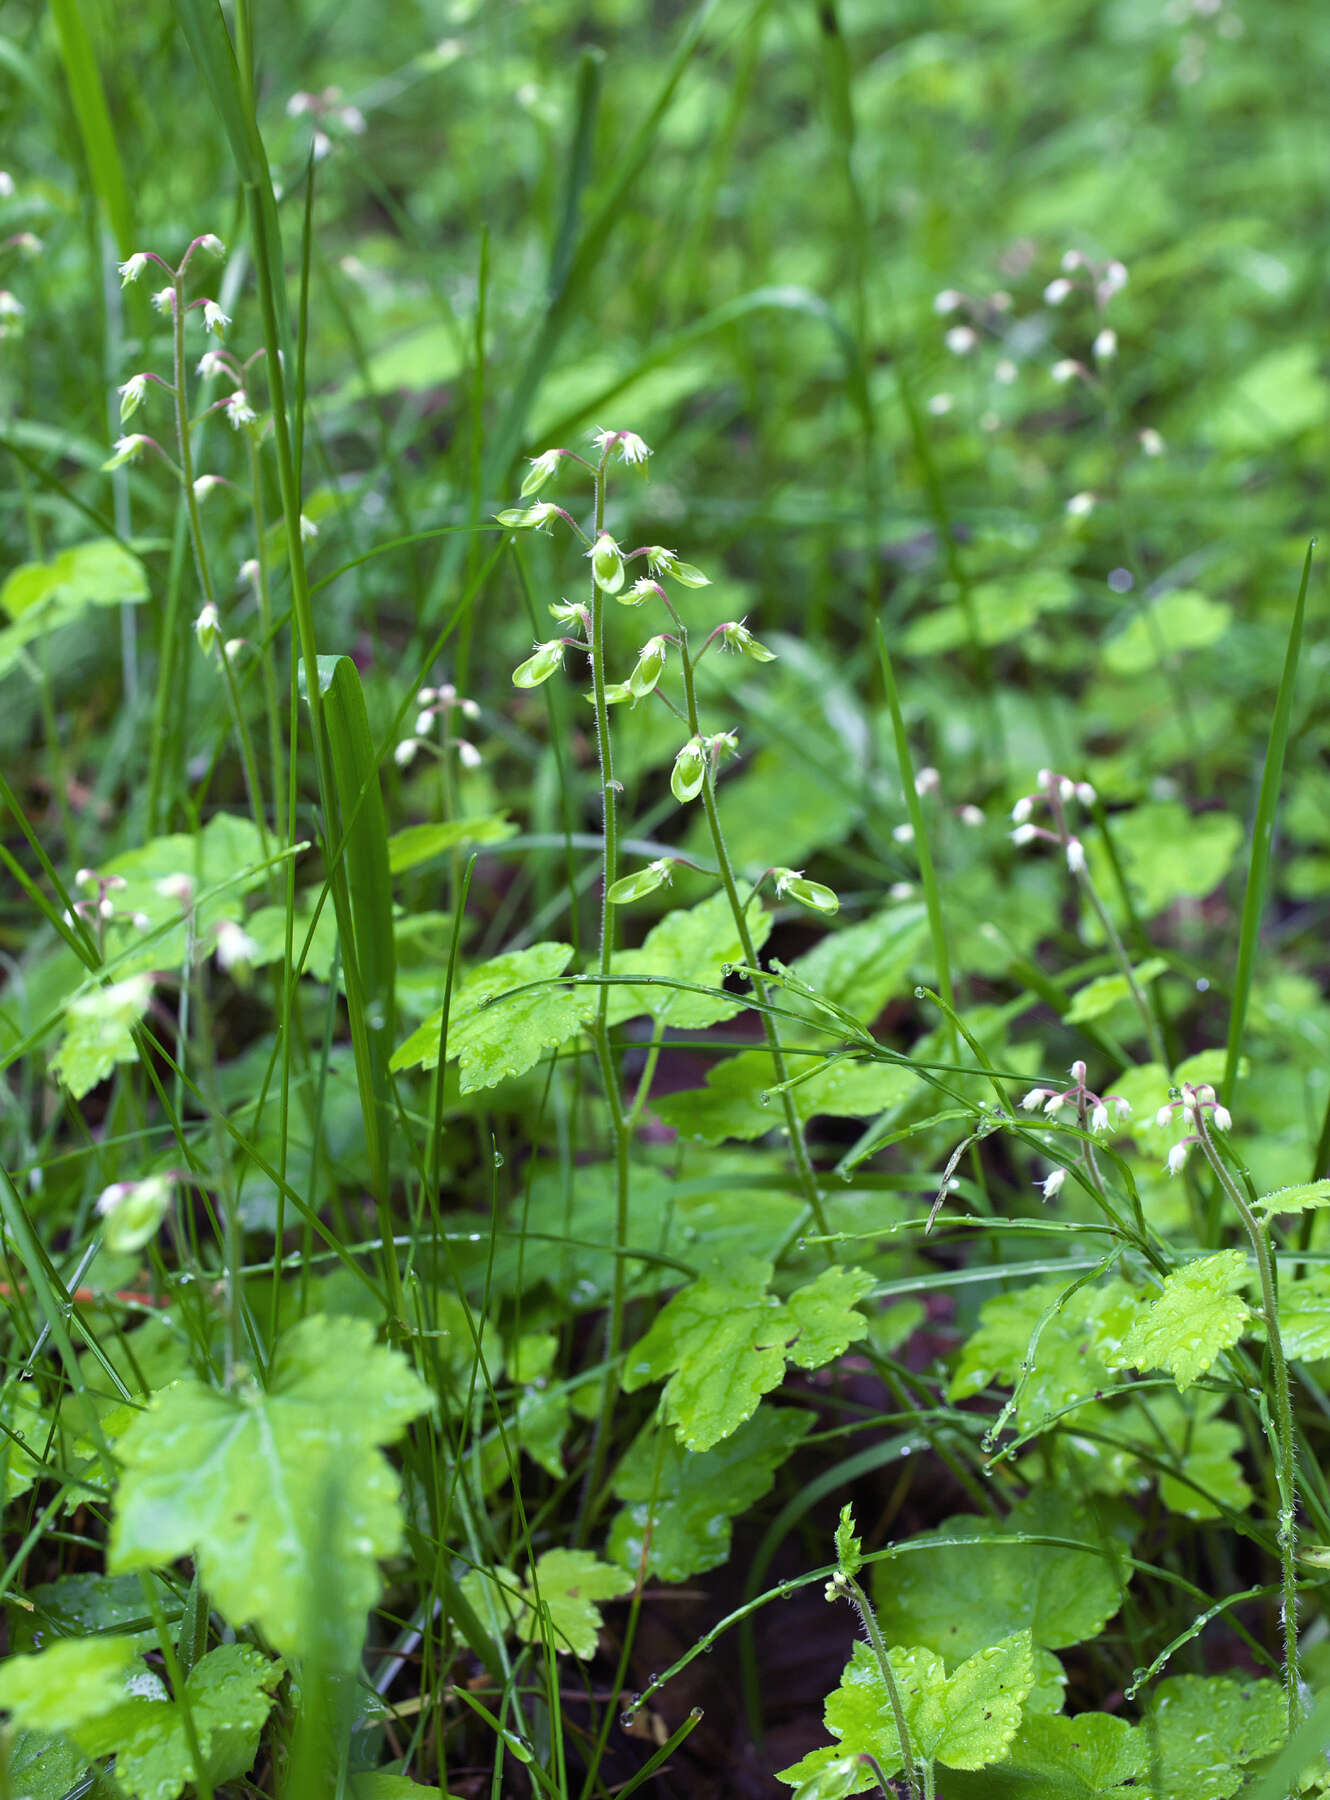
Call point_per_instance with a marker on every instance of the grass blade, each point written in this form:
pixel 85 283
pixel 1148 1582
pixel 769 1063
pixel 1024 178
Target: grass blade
pixel 105 170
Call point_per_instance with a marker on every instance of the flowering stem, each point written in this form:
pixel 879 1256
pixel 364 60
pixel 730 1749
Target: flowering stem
pixel 271 702
pixel 868 1618
pixel 793 1124
pixel 601 1031
pixel 1286 1465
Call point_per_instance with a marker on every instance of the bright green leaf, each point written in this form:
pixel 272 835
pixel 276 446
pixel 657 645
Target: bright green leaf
pixel 1054 1757
pixel 1169 853
pixel 1304 1315
pixel 419 844
pixel 41 597
pixel 694 945
pixel 724 1342
pixel 99 1031
pixel 1178 621
pixel 1107 991
pixel 497 1033
pixel 568 1584
pixel 229 1692
pixel 1304 1197
pixel 680 1503
pixel 1207 1727
pixel 1196 1315
pixel 965 1720
pixel 39 1767
pixel 730 1106
pixel 282 1497
pixel 72 1680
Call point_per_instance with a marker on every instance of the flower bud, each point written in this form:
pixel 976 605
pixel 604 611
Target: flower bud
pixel 689 771
pixel 1164 1117
pixel 664 562
pixel 405 753
pixel 1075 855
pixel 522 518
pixel 1099 1118
pixel 126 449
pixel 1057 291
pixel 1222 1119
pixel 133 1211
pixel 607 564
pixel 132 396
pixel 204 485
pixel 737 636
pixel 163 300
pixel 214 319
pixel 650 666
pixel 646 881
pixel 808 893
pixel 179 888
pixel 1022 810
pixel 1024 834
pixel 961 339
pixel 208 629
pixel 236 949
pixel 1105 346
pixel 1032 1101
pixel 211 244
pixel 239 411
pixel 542 467
pixel 538 668
pixel 1177 1156
pixel 642 590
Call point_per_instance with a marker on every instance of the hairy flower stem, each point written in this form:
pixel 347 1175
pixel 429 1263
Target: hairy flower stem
pixel 868 1618
pixel 600 1035
pixel 1286 1464
pixel 793 1123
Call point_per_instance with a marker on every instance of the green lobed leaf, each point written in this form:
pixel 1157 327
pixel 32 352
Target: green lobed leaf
pixel 1169 853
pixel 497 1033
pixel 697 944
pixel 965 1720
pixel 862 966
pixel 1304 1315
pixel 1305 1196
pixel 1196 1315
pixel 1180 620
pixel 568 1585
pixel 40 1767
pixel 229 1695
pixel 1206 1728
pixel 676 1522
pixel 722 1343
pixel 72 1680
pixel 1054 1757
pixel 957 1597
pixel 282 1497
pixel 40 597
pixel 1100 996
pixel 730 1106
pixel 98 1033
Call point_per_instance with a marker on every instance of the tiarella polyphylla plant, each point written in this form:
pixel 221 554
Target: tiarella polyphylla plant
pixel 692 777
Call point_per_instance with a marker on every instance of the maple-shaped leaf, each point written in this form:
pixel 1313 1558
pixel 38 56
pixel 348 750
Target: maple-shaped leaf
pixel 1205 1728
pixel 504 1017
pixel 681 1503
pixel 724 1342
pixel 1306 1196
pixel 955 1596
pixel 1304 1314
pixel 1053 1757
pixel 965 1720
pixel 731 1105
pixel 697 945
pixel 282 1495
pixel 568 1585
pixel 1196 1315
pixel 1055 1344
pixel 228 1696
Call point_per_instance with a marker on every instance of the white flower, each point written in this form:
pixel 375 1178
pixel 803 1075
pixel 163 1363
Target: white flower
pixel 1121 1105
pixel 1054 1103
pixel 1022 810
pixel 1105 346
pixel 1080 506
pixel 132 395
pixel 211 244
pixel 232 648
pixel 1085 793
pixel 11 307
pixel 308 529
pixel 1164 1117
pixel 212 362
pixel 1052 1184
pixel 321 146
pixel 1177 1156
pixel 1032 1101
pixel 973 816
pixel 1066 369
pixel 214 319
pixel 961 339
pixel 903 834
pixel 204 485
pixel 424 724
pixel 1071 260
pixel 164 299
pixel 208 628
pixel 299 104
pixel 1113 280
pixel 947 301
pixel 927 781
pixel 1005 371
pixel 7 186
pixel 353 120
pixel 1024 834
pixel 1078 1072
pixel 236 949
pixel 940 404
pixel 132 268
pixel 468 755
pixel 1056 291
pixel 238 409
pixel 1150 441
pixel 1222 1119
pixel 901 890
pixel 176 887
pixel 249 570
pixel 406 752
pixel 1099 1118
pixel 630 447
pixel 1075 855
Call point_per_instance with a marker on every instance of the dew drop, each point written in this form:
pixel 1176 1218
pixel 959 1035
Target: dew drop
pixel 726 969
pixel 626 1721
pixel 498 1159
pixel 764 1098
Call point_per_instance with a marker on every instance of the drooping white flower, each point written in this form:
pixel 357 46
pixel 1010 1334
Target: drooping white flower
pixel 214 319
pixel 1052 1183
pixel 132 267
